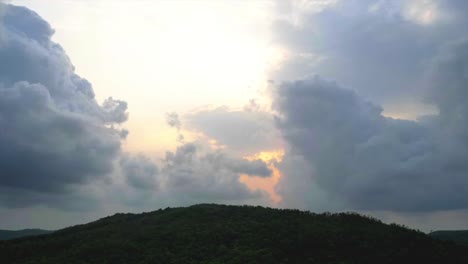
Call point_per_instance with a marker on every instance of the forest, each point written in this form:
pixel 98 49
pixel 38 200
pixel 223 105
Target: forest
pixel 8 234
pixel 210 234
pixel 458 236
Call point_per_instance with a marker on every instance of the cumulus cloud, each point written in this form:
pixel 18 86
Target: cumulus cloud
pixel 53 132
pixel 404 57
pixel 44 147
pixel 368 161
pixel 59 144
pixel 193 173
pixel 140 171
pixel 199 173
pixel 378 48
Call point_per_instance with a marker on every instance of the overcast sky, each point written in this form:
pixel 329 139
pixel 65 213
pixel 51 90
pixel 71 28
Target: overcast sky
pixel 323 105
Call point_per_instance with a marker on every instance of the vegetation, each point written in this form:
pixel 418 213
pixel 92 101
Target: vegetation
pixel 212 234
pixel 7 234
pixel 460 237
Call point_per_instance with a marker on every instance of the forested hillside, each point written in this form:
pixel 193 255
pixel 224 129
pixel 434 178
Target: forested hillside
pixel 8 234
pixel 233 234
pixel 458 236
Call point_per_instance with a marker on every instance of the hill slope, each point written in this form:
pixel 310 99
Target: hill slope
pixel 8 234
pixel 459 236
pixel 232 234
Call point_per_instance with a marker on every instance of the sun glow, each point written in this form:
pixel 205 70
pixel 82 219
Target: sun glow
pixel 266 184
pixel 164 56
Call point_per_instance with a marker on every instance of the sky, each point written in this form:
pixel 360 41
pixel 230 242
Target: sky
pixel 322 105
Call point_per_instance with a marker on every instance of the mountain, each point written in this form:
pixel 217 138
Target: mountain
pixel 7 234
pixel 459 236
pixel 233 234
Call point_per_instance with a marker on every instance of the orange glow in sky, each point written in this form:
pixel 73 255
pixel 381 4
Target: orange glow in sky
pixel 265 184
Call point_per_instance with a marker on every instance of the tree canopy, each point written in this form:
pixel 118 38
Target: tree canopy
pixel 212 234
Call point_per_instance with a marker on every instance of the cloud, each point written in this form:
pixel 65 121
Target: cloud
pixel 53 132
pixel 62 149
pixel 77 198
pixel 243 131
pixel 378 48
pixel 173 120
pixel 45 147
pixel 367 161
pixel 60 146
pixel 406 58
pixel 201 173
pixel 253 168
pixel 193 173
pixel 140 171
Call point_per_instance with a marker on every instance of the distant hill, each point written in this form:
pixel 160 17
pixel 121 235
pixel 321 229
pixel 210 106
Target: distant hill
pixel 7 234
pixel 460 237
pixel 233 234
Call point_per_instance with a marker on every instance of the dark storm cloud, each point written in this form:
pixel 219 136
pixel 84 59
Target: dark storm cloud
pixel 140 171
pixel 53 133
pixel 380 48
pixel 367 161
pixel 44 147
pixel 72 198
pixel 343 152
